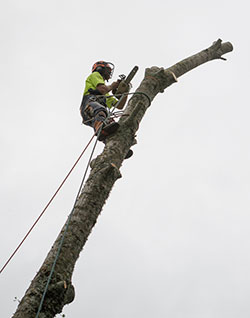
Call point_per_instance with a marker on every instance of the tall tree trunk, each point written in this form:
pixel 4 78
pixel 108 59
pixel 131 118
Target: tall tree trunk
pixel 104 172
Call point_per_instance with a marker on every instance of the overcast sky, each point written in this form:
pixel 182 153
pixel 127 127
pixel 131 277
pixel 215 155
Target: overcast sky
pixel 173 238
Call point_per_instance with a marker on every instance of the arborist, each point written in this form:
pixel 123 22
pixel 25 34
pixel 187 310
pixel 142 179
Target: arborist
pixel 97 101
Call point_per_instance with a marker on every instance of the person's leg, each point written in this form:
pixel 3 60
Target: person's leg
pixel 95 115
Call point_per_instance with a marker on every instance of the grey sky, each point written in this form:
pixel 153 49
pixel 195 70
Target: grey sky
pixel 173 238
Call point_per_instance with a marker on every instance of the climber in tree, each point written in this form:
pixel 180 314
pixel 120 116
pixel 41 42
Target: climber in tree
pixel 96 100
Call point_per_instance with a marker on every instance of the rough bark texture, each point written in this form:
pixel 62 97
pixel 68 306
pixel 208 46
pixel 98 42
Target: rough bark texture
pixel 104 173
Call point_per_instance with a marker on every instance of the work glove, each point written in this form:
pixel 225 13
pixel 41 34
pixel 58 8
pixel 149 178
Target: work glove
pixel 123 88
pixel 116 84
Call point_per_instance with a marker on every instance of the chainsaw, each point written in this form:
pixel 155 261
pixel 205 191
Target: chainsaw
pixel 125 85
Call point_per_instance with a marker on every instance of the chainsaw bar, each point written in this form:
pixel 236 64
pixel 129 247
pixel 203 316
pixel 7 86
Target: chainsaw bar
pixel 131 75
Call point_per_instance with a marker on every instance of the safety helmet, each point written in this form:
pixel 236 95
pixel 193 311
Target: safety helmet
pixel 106 69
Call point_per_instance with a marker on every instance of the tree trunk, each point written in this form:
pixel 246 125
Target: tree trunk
pixel 104 172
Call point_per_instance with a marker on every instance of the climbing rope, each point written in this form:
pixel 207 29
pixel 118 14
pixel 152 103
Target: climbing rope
pixel 122 95
pixel 114 114
pixel 66 228
pixel 52 198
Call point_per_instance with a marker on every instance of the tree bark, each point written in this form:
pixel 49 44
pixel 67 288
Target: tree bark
pixel 104 172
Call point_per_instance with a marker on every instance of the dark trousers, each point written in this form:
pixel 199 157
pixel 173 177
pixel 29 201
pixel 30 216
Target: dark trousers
pixel 92 110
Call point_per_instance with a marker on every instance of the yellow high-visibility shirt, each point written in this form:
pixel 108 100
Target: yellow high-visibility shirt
pixel 92 81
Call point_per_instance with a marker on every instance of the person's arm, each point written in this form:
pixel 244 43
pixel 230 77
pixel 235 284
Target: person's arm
pixel 122 102
pixel 104 89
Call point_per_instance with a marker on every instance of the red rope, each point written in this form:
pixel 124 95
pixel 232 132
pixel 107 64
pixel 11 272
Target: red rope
pixel 58 189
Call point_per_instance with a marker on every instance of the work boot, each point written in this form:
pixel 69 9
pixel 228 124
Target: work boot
pixel 97 125
pixel 106 130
